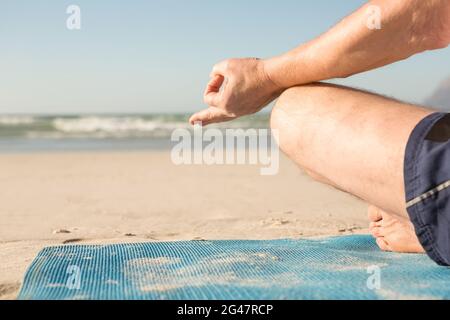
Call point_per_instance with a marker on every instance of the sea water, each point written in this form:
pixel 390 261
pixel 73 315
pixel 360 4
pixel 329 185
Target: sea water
pixel 57 133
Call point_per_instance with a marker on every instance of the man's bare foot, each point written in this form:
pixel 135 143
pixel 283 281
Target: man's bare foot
pixel 393 233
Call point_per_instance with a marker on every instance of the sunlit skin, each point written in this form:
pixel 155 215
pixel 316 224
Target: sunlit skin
pixel 352 140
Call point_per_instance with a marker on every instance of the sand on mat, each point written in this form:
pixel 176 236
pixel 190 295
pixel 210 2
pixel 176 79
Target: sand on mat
pixel 50 199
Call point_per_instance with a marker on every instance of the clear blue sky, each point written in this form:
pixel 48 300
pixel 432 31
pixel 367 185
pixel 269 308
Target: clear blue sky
pixel 155 55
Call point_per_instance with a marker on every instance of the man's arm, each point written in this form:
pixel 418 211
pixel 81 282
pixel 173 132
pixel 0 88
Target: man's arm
pixel 355 45
pixel 408 27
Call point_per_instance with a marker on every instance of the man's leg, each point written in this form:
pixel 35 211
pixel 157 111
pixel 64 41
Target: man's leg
pixel 354 141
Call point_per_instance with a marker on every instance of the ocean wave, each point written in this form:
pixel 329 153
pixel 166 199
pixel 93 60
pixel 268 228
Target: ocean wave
pixel 104 127
pixel 16 120
pixel 114 125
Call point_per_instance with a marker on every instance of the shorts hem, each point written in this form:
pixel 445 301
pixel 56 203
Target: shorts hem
pixel 413 183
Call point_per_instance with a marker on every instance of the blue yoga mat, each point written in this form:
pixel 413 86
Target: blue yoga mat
pixel 350 267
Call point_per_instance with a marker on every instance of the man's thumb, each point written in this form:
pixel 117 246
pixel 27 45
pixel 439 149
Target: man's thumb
pixel 208 116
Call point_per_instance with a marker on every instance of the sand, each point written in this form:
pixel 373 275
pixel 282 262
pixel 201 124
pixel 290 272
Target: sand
pixel 51 199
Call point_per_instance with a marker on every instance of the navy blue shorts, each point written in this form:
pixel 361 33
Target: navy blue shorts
pixel 427 185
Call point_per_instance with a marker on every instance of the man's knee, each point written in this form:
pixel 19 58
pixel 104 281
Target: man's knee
pixel 281 119
pixel 291 118
pixel 289 101
pixel 287 120
pixel 285 108
pixel 300 102
pixel 292 111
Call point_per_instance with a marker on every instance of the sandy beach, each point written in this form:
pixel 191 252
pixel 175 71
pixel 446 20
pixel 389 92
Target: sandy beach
pixel 106 197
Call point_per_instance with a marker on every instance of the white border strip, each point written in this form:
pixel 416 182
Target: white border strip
pixel 428 194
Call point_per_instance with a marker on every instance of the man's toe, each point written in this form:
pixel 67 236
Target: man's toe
pixel 375 225
pixel 383 245
pixel 377 232
pixel 374 214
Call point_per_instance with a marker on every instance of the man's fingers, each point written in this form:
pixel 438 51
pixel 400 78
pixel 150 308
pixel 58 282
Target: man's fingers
pixel 220 68
pixel 214 84
pixel 209 116
pixel 211 94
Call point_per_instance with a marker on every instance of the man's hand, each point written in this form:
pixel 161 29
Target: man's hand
pixel 238 87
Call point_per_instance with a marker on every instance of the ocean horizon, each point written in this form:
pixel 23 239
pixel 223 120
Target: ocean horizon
pixel 101 132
